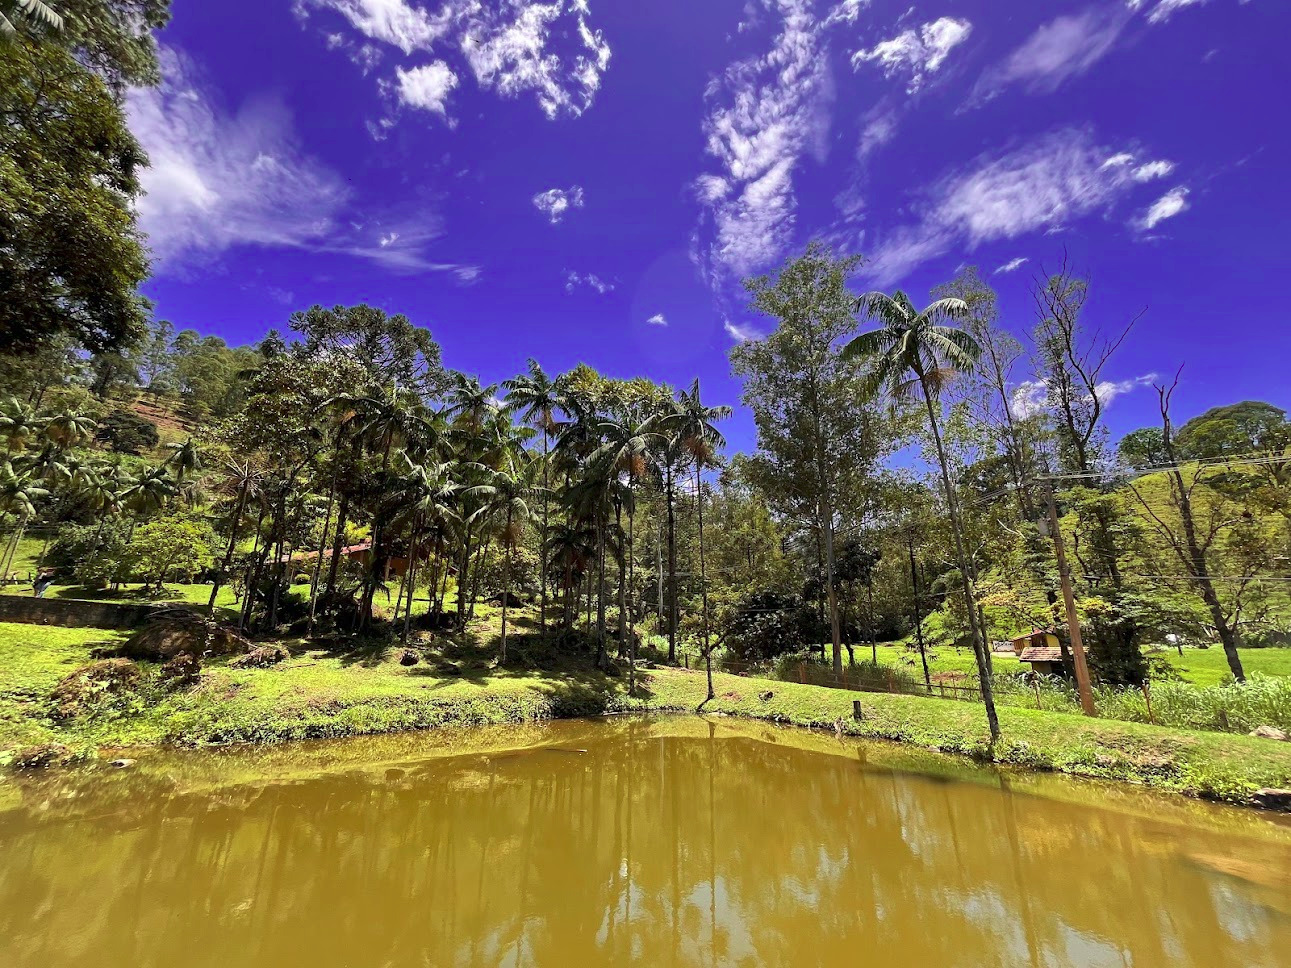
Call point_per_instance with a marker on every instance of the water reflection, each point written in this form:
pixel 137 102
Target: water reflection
pixel 631 846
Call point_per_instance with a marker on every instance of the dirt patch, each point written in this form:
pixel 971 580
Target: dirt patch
pixel 261 658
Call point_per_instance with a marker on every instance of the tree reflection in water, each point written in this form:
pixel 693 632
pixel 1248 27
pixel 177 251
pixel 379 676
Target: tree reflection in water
pixel 633 846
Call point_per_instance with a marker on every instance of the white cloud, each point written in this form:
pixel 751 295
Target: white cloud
pixel 426 87
pixel 216 180
pixel 592 281
pixel 879 129
pixel 846 12
pixel 1064 47
pixel 395 22
pixel 916 54
pixel 1164 9
pixel 511 46
pixel 1031 397
pixel 1109 390
pixel 555 202
pixel 512 54
pixel 1153 170
pixel 767 112
pixel 1169 205
pixel 741 331
pixel 1013 265
pixel 1039 186
pixel 657 320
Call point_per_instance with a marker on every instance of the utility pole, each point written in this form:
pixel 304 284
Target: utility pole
pixel 1069 600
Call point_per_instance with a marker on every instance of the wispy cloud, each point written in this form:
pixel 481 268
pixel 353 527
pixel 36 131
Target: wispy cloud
pixel 916 54
pixel 766 112
pixel 590 280
pixel 1038 186
pixel 1070 45
pixel 555 202
pixel 1172 203
pixel 395 22
pixel 741 332
pixel 657 320
pixel 1013 265
pixel 1062 48
pixel 218 181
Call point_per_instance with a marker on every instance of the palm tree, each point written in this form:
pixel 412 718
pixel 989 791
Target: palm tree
pixel 424 497
pixel 505 497
pixel 918 351
pixel 627 445
pixel 18 425
pixel 668 454
pixel 38 13
pixel 701 440
pixel 536 397
pixel 67 430
pixel 246 480
pixel 18 496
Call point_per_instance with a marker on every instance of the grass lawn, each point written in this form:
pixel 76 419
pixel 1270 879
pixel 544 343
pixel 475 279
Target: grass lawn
pixel 352 687
pixel 1201 667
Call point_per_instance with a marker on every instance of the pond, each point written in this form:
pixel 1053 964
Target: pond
pixel 669 842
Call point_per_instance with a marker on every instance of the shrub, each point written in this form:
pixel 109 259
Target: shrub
pixel 127 433
pixel 766 625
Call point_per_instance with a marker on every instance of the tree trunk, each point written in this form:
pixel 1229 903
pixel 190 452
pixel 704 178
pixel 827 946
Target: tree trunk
pixel 506 588
pixel 918 617
pixel 703 579
pixel 232 546
pixel 542 554
pixel 672 567
pixel 869 622
pixel 623 584
pixel 338 542
pixel 952 506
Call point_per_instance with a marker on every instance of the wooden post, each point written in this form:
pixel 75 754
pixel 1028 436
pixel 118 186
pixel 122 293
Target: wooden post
pixel 1069 601
pixel 856 710
pixel 686 659
pixel 1036 685
pixel 802 672
pixel 1147 698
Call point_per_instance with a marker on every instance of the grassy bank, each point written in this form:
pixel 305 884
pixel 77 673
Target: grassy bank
pixel 350 688
pixel 1201 667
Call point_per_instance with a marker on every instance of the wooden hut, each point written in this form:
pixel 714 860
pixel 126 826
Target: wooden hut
pixel 1041 650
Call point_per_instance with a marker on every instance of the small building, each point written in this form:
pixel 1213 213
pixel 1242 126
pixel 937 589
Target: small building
pixel 1033 639
pixel 1042 650
pixel 1044 659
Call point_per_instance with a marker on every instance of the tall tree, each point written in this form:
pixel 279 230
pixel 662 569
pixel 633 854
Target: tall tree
pixel 913 352
pixel 536 397
pixel 813 438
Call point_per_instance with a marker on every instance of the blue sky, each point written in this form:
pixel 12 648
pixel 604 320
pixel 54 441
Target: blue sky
pixel 588 180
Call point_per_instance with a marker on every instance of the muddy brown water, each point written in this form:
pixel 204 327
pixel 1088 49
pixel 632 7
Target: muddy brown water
pixel 674 842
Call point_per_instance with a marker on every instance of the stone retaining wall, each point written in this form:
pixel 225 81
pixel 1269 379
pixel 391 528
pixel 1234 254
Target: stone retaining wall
pixel 73 612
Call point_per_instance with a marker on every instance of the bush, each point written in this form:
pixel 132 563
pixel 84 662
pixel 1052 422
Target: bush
pixel 127 433
pixel 86 553
pixel 766 625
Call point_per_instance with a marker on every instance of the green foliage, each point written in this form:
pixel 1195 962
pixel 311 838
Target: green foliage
pixel 765 625
pixel 70 257
pixel 127 433
pixel 175 548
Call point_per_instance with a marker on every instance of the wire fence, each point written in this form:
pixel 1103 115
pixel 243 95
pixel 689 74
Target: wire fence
pixel 855 677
